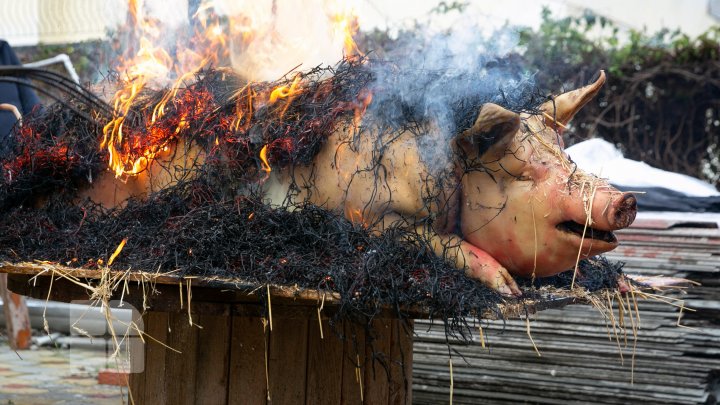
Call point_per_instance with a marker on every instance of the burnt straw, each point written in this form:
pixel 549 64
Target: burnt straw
pixel 211 223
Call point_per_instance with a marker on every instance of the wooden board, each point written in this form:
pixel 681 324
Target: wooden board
pixel 224 362
pixel 246 382
pixel 325 359
pixel 161 292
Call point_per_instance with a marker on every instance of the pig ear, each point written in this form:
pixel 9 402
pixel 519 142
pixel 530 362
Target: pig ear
pixel 494 128
pixel 560 110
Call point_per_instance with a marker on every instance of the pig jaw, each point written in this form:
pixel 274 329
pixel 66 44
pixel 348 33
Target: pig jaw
pixel 525 230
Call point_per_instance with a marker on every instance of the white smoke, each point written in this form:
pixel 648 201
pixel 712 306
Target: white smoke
pixel 437 72
pixel 270 38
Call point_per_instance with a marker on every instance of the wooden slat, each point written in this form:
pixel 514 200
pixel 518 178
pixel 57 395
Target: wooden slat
pixel 353 350
pixel 213 359
pixel 137 380
pixel 156 325
pixel 288 360
pixel 181 368
pixel 246 382
pixel 210 291
pixel 401 352
pixel 325 365
pixel 377 385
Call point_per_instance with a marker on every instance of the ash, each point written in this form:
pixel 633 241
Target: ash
pixel 213 222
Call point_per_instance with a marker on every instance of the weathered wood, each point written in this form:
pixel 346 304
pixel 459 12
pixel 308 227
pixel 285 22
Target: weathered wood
pixel 377 363
pixel 136 381
pixel 246 381
pixel 354 360
pixel 401 352
pixel 180 368
pixel 160 292
pixel 288 360
pixel 17 319
pixel 325 365
pixel 156 326
pixel 213 359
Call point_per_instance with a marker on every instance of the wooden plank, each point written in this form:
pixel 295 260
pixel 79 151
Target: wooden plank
pixel 246 382
pixel 181 368
pixel 208 291
pixel 17 319
pixel 324 367
pixel 377 366
pixel 401 352
pixel 137 380
pixel 156 325
pixel 288 360
pixel 353 363
pixel 213 359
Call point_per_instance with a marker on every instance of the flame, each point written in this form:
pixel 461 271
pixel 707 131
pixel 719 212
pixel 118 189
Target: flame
pixel 356 216
pixel 263 159
pixel 133 144
pixel 285 91
pixel 346 25
pixel 364 100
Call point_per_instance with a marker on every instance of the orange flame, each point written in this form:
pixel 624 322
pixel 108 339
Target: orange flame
pixel 346 25
pixel 263 158
pixel 132 150
pixel 152 63
pixel 285 91
pixel 356 216
pixel 364 99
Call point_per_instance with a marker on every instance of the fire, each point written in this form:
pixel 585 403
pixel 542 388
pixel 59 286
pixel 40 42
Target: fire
pixel 132 144
pixel 285 91
pixel 356 216
pixel 346 25
pixel 263 158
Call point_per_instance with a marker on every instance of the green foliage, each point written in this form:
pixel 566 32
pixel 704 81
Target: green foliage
pixel 662 101
pixel 445 7
pixel 595 41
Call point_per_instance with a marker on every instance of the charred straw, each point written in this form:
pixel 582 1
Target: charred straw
pixel 203 226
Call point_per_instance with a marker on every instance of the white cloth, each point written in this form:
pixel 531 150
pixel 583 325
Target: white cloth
pixel 603 159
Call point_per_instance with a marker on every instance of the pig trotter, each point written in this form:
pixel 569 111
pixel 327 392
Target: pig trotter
pixel 483 267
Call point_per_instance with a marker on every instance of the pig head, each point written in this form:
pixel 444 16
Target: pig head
pixel 524 202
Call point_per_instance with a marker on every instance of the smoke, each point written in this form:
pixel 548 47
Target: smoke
pixel 269 39
pixel 442 78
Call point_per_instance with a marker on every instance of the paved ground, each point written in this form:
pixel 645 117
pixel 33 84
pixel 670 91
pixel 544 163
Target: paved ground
pixel 55 376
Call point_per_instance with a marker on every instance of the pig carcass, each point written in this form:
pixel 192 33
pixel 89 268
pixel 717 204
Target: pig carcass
pixel 510 203
pixel 517 205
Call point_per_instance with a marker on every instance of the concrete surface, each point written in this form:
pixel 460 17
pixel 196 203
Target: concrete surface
pixel 57 376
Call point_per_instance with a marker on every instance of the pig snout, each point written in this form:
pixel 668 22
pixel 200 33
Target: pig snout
pixel 622 212
pixel 611 210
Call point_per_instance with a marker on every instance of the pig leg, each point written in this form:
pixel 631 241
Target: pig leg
pixel 477 263
pixel 481 266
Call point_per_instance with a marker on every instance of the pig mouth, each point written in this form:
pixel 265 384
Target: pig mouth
pixel 590 233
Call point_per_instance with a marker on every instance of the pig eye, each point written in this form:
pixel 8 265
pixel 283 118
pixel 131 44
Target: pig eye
pixel 523 178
